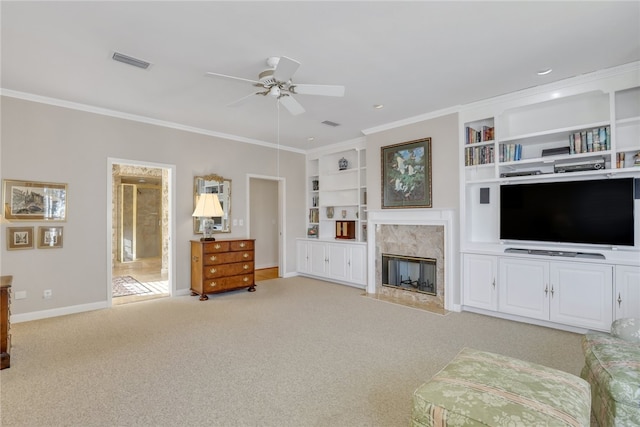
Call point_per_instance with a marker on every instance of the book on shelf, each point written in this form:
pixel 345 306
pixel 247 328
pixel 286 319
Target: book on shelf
pixel 314 215
pixel 484 134
pixel 479 155
pixel 590 141
pixel 510 152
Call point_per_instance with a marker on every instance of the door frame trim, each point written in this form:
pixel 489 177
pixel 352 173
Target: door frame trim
pixel 171 274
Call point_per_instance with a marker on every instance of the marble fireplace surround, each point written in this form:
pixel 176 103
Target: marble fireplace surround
pixel 425 233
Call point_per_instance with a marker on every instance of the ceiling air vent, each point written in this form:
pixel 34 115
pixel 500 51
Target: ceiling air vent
pixel 131 61
pixel 330 123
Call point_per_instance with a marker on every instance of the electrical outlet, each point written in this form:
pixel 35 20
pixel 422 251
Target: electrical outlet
pixel 20 295
pixel 241 222
pixel 48 293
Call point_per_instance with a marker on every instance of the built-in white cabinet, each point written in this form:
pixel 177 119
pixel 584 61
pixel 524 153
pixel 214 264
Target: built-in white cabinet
pixel 627 292
pixel 335 261
pixel 479 281
pixel 574 294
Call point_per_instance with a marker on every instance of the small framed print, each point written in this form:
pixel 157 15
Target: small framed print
pixel 19 238
pixel 49 237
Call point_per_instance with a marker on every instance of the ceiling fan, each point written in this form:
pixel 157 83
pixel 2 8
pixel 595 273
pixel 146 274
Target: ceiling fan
pixel 276 82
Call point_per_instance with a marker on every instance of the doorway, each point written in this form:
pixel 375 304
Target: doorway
pixel 266 197
pixel 140 232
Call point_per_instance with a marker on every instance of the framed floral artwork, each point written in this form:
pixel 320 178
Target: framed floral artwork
pixel 406 174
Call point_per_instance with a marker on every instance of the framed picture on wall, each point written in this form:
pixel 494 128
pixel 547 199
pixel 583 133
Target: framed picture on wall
pixel 19 238
pixel 49 237
pixel 406 174
pixel 34 201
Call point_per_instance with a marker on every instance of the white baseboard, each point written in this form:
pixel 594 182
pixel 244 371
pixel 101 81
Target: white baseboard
pixel 54 312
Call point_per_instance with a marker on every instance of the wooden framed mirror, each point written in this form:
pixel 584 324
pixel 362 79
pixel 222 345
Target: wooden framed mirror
pixel 217 185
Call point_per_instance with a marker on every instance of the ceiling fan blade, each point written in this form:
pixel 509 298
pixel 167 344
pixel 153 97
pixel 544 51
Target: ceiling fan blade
pixel 325 90
pixel 244 99
pixel 233 78
pixel 291 104
pixel 285 69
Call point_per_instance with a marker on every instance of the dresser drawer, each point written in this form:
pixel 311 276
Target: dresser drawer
pixel 214 247
pixel 241 245
pixel 226 283
pixel 223 270
pixel 228 257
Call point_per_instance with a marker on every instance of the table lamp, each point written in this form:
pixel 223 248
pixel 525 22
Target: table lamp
pixel 207 207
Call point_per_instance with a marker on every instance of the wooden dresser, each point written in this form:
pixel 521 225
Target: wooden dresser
pixel 221 265
pixel 5 313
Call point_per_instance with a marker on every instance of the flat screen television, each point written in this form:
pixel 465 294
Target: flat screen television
pixel 598 212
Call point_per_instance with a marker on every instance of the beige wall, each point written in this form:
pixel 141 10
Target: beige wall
pixel 443 132
pixel 53 144
pixel 264 221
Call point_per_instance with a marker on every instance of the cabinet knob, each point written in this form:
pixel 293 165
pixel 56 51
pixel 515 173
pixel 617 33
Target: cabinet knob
pixel 552 291
pixel 213 270
pixel 213 257
pixel 246 267
pixel 246 255
pixel 546 290
pixel 619 300
pixel 243 244
pixel 246 279
pixel 217 246
pixel 494 283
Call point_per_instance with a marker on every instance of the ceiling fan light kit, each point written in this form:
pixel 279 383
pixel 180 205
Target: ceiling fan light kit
pixel 276 81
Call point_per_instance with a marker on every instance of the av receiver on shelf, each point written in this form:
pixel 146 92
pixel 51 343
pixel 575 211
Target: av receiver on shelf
pixel 585 165
pixel 519 173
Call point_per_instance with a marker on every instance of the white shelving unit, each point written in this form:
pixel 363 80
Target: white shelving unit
pixel 538 120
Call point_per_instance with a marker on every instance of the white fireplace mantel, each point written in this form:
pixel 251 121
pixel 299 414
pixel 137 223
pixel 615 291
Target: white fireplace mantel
pixel 443 217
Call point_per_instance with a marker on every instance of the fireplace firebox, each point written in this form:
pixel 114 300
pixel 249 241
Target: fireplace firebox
pixel 409 273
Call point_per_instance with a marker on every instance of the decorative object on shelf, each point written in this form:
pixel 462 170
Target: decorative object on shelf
pixel 207 208
pixel 636 159
pixel 346 230
pixel 312 232
pixel 19 238
pixel 344 213
pixel 221 187
pixel 34 201
pixel 329 211
pixel 49 237
pixel 343 164
pixel 315 185
pixel 406 174
pixel 620 160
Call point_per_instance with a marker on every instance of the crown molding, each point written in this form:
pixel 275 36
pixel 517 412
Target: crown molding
pixel 141 119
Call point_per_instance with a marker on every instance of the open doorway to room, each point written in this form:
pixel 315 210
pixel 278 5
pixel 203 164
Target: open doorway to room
pixel 140 233
pixel 266 201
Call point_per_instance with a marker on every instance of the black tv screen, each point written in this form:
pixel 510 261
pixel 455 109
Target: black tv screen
pixel 586 212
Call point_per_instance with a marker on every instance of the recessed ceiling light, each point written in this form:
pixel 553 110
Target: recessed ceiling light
pixel 378 106
pixel 544 72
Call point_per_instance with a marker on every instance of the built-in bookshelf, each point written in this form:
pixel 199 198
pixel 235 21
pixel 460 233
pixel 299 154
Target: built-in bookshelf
pixel 479 137
pixel 337 195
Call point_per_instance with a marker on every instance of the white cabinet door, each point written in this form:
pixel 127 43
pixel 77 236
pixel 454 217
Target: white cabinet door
pixel 627 293
pixel 319 258
pixel 357 264
pixel 302 256
pixel 523 288
pixel 338 257
pixel 479 281
pixel 581 295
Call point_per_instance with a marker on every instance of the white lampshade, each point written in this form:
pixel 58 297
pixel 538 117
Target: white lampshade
pixel 208 206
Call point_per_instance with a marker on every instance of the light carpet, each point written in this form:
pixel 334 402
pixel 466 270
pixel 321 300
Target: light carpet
pixel 298 352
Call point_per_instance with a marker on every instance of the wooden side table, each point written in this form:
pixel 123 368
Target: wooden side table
pixel 5 337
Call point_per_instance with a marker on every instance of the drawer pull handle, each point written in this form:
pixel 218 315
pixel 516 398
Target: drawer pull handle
pixel 213 284
pixel 213 258
pixel 217 246
pixel 213 270
pixel 195 258
pixel 246 255
pixel 243 244
pixel 246 267
pixel 619 300
pixel 246 279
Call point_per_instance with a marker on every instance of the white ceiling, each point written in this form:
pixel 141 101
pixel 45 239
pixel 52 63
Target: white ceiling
pixel 414 57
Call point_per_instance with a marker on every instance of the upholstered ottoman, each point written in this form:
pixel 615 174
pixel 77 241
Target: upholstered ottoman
pixel 485 389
